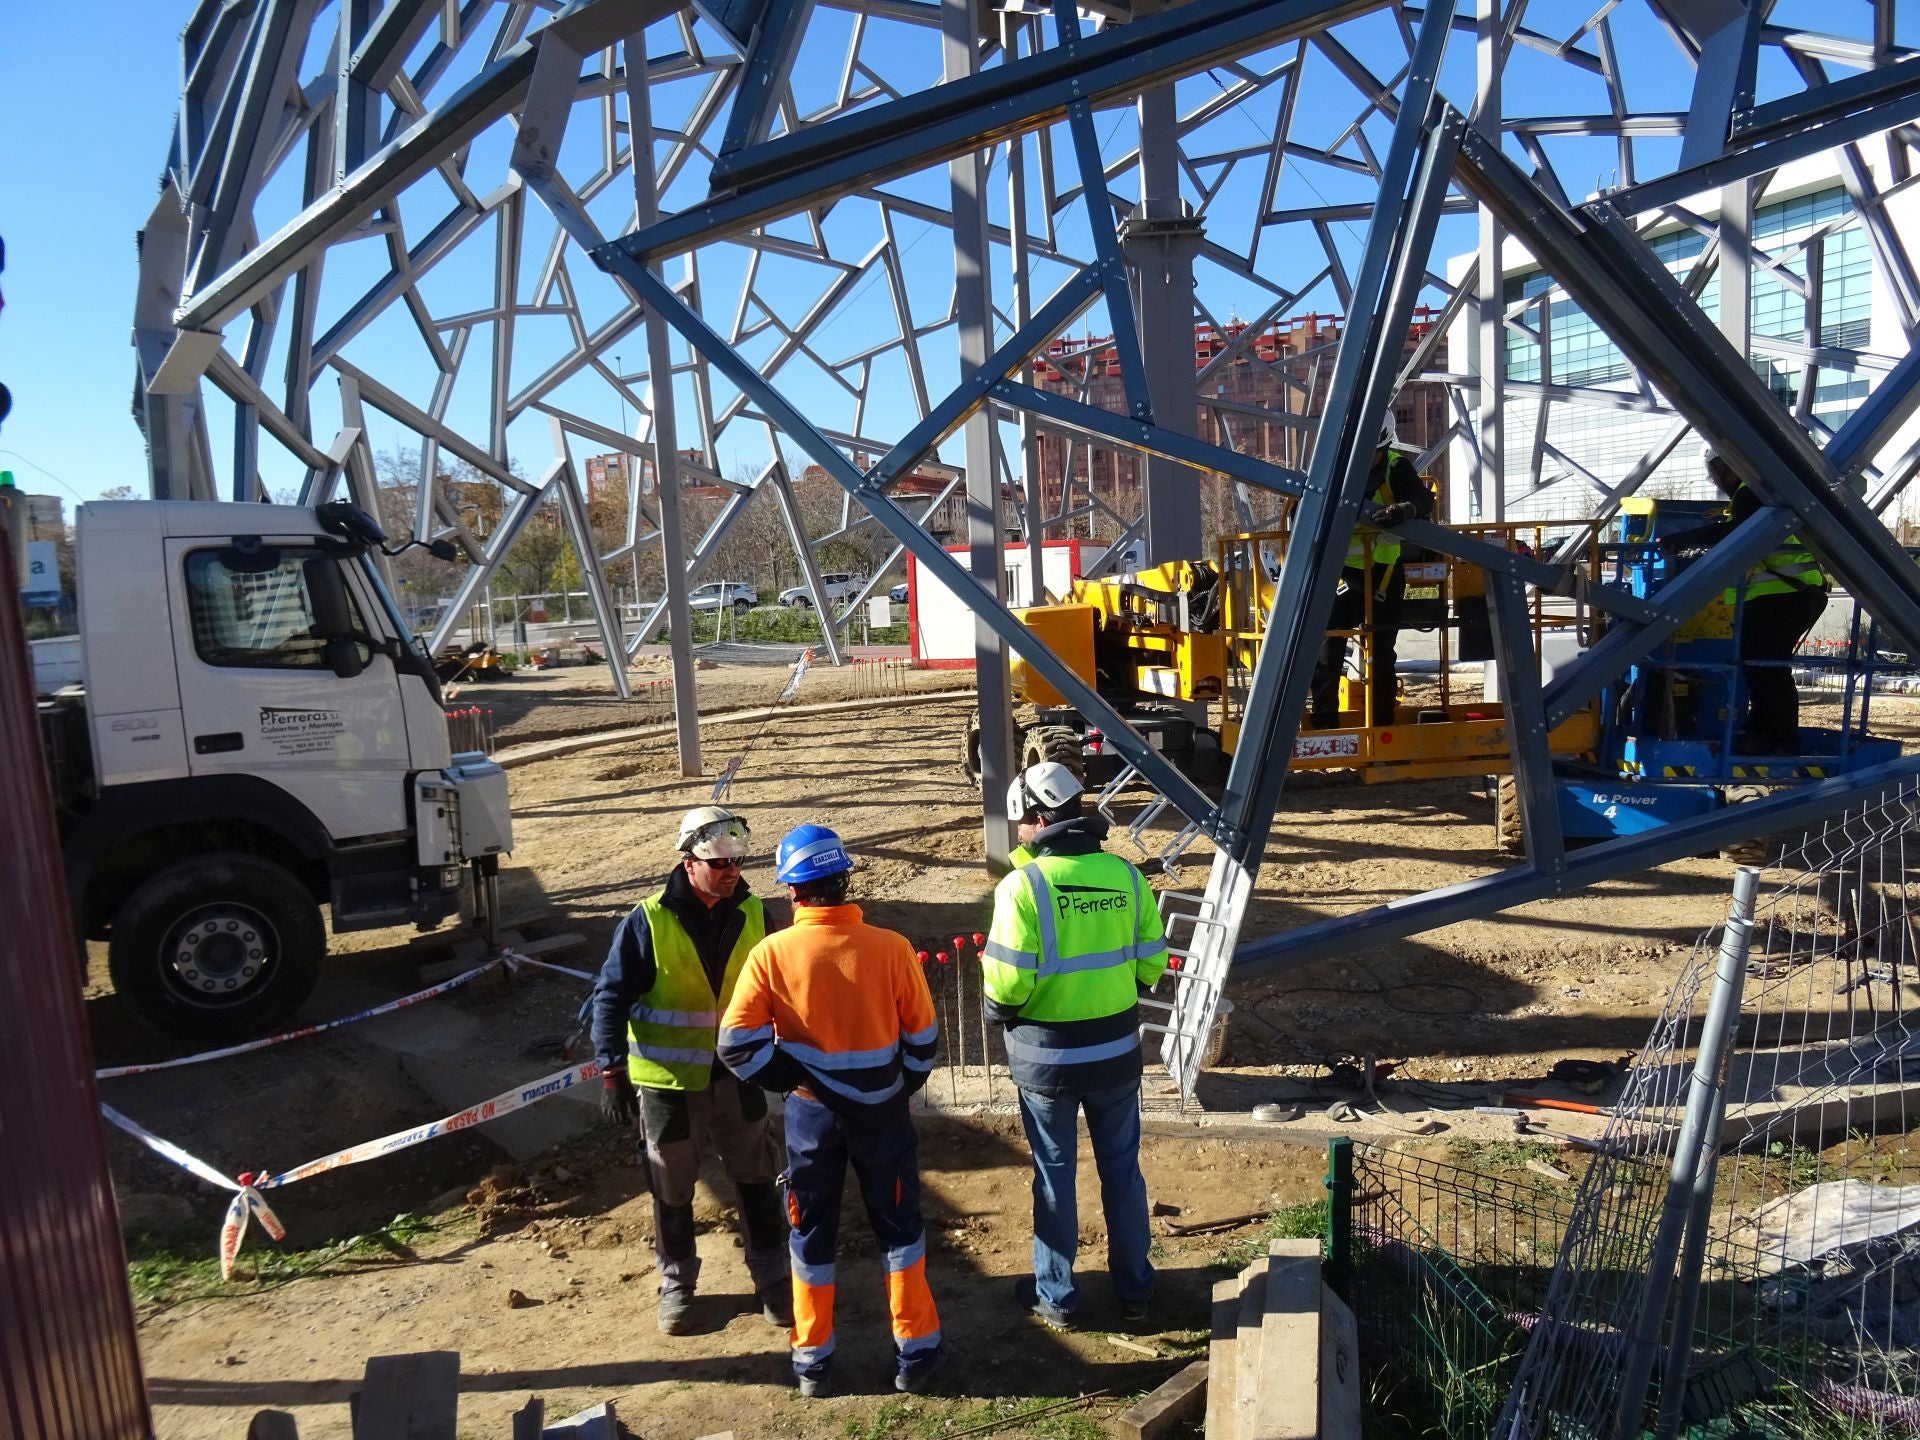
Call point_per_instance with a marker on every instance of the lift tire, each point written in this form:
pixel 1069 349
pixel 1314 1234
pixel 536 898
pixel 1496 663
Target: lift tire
pixel 1754 849
pixel 970 748
pixel 1508 837
pixel 257 964
pixel 1053 742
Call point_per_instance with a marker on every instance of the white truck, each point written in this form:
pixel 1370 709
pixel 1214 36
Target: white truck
pixel 256 734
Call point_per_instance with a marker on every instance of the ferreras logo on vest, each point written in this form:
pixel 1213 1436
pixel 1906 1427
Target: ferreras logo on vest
pixel 1088 899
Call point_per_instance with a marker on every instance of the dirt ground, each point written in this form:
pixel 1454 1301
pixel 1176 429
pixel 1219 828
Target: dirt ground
pixel 1459 1012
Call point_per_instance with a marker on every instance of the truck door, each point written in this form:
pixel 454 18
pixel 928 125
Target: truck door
pixel 259 697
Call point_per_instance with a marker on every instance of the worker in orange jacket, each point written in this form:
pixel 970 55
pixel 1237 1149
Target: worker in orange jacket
pixel 836 1013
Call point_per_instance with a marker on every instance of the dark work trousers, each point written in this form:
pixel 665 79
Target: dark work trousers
pixel 1349 613
pixel 884 1153
pixel 681 1127
pixel 1771 629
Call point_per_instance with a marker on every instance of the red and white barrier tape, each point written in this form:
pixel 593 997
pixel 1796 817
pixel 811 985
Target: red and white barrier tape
pixel 247 1203
pixel 116 1072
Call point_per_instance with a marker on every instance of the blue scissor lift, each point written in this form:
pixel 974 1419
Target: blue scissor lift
pixel 1669 744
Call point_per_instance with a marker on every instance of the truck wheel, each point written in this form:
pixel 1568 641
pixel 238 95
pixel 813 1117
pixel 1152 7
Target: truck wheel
pixel 1053 742
pixel 1508 838
pixel 216 948
pixel 1752 849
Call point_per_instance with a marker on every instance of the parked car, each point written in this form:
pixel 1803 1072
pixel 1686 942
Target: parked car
pixel 898 594
pixel 723 593
pixel 840 588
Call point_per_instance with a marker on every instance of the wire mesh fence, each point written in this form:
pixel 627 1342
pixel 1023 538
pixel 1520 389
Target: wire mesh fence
pixel 1761 1276
pixel 1445 1267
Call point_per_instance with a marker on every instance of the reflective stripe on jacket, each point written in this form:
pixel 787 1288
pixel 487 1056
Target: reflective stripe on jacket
pixel 1386 548
pixel 1073 941
pixel 672 1029
pixel 836 1005
pixel 1787 571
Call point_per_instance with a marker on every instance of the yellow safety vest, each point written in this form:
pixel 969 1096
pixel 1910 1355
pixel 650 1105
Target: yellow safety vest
pixel 673 1028
pixel 1786 571
pixel 1386 549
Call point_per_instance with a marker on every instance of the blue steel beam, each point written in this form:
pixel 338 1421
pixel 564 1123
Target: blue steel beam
pixel 1608 271
pixel 1679 600
pixel 1061 309
pixel 821 162
pixel 1554 579
pixel 1185 796
pixel 1413 186
pixel 1793 809
pixel 1068 413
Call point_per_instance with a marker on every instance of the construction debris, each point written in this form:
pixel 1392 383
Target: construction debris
pixel 1168 1406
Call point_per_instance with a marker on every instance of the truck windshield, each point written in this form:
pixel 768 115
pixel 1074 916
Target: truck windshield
pixel 394 620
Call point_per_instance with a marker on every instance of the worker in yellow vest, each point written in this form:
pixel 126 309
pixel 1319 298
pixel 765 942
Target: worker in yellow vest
pixel 1075 941
pixel 1394 495
pixel 1784 595
pixel 656 1010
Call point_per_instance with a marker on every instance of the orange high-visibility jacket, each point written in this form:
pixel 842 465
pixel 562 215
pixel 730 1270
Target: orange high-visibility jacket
pixel 836 1005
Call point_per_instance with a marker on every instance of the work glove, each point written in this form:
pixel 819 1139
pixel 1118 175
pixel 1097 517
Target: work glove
pixel 618 1104
pixel 1388 516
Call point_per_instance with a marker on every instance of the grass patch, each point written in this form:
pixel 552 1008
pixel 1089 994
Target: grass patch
pixel 1305 1221
pixel 160 1272
pixel 1497 1154
pixel 934 1418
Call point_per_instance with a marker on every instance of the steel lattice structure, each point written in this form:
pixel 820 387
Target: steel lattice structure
pixel 482 150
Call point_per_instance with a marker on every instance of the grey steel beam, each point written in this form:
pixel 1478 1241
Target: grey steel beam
pixel 809 566
pixel 1554 579
pixel 769 61
pixel 1186 797
pixel 960 27
pixel 1785 810
pixel 1882 413
pixel 665 436
pixel 885 141
pixel 1526 724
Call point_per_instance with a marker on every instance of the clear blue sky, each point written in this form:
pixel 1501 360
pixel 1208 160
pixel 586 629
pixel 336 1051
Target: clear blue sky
pixel 87 95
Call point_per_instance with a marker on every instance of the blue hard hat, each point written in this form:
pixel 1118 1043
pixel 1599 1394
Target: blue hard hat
pixel 809 852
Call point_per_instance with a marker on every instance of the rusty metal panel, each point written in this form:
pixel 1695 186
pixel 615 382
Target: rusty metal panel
pixel 69 1359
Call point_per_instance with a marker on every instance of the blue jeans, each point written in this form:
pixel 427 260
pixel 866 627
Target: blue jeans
pixel 1113 1123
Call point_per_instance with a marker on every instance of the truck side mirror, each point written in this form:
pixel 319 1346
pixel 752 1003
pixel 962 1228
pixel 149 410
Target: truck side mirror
pixel 333 616
pixel 443 550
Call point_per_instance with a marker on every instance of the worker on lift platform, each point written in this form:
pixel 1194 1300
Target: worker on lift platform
pixel 1784 595
pixel 1394 494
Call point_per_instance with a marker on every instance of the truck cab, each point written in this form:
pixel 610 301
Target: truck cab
pixel 257 734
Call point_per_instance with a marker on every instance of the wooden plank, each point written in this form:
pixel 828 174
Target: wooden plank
pixel 1246 1349
pixel 409 1397
pixel 1339 1369
pixel 1167 1406
pixel 1221 1364
pixel 1287 1404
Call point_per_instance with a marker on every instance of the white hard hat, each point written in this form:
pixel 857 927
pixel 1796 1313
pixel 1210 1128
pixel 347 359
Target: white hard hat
pixel 1389 432
pixel 1707 453
pixel 713 834
pixel 1046 786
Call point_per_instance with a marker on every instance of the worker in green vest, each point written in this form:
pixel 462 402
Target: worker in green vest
pixel 656 1009
pixel 1075 940
pixel 1394 494
pixel 1784 595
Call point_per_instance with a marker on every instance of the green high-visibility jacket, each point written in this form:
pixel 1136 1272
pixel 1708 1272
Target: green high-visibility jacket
pixel 1386 547
pixel 1074 939
pixel 672 1029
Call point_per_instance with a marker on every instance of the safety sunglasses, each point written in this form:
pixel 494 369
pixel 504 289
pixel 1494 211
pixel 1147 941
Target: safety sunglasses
pixel 725 864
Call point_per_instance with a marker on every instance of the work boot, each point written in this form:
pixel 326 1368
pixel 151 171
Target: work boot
pixel 676 1311
pixel 916 1373
pixel 776 1306
pixel 1134 1312
pixel 1027 1296
pixel 814 1387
